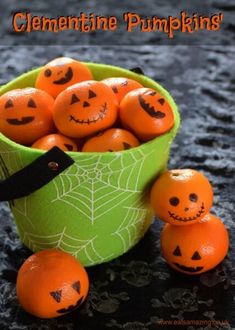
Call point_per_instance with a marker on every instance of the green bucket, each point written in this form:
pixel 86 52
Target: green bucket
pixel 98 208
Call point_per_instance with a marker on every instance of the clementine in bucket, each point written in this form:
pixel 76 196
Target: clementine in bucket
pixel 61 73
pixel 26 115
pixel 51 140
pixel 51 283
pixel 113 139
pixel 121 86
pixel 147 113
pixel 85 108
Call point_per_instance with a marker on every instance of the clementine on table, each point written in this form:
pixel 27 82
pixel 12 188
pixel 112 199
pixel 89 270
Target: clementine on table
pixel 181 196
pixel 196 248
pixel 51 283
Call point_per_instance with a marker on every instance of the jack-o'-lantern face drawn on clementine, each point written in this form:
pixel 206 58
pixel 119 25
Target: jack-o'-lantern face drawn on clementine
pixel 121 86
pixel 113 139
pixel 181 196
pixel 57 296
pixel 51 283
pixel 26 114
pixel 153 106
pixel 145 105
pixel 49 141
pixel 197 248
pixel 85 108
pixel 61 73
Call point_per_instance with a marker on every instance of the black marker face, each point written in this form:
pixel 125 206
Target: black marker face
pixel 190 269
pixel 19 122
pixel 67 77
pixel 58 298
pixel 24 120
pixel 87 103
pixel 69 147
pixel 152 111
pixel 71 307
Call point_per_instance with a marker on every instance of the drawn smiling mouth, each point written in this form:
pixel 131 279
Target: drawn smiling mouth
pixel 176 217
pixel 23 121
pixel 188 269
pixel 91 120
pixel 64 80
pixel 150 109
pixel 71 307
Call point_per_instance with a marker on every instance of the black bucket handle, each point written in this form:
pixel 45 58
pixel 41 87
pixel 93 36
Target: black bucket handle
pixel 35 175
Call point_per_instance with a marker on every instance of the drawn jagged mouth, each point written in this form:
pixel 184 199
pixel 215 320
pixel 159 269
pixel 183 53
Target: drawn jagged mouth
pixel 71 307
pixel 176 217
pixel 89 121
pixel 189 269
pixel 150 109
pixel 23 121
pixel 64 80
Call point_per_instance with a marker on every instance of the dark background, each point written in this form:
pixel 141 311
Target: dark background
pixel 138 289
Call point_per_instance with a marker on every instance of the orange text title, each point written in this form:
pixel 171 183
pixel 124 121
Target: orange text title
pixel 26 22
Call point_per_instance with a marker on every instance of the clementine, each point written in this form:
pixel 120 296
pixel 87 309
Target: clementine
pixel 51 283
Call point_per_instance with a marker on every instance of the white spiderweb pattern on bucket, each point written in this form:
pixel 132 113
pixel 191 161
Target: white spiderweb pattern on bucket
pixel 94 187
pixel 63 241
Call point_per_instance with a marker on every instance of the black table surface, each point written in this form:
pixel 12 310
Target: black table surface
pixel 138 290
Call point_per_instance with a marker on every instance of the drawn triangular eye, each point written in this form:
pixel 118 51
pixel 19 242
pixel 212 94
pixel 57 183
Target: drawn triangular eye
pixel 9 104
pixel 161 101
pixel 91 94
pixel 126 145
pixel 74 99
pixel 177 252
pixel 47 73
pixel 32 104
pixel 56 295
pixel 115 90
pixel 68 146
pixel 77 286
pixel 196 256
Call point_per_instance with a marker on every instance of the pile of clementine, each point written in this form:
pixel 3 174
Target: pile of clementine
pixel 69 109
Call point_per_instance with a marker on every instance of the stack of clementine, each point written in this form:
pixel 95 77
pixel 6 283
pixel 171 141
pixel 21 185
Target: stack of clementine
pixel 193 240
pixel 69 109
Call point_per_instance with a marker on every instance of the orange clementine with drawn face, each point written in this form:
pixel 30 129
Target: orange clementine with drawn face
pixel 197 248
pixel 49 141
pixel 181 196
pixel 26 115
pixel 147 113
pixel 113 139
pixel 51 283
pixel 121 86
pixel 61 73
pixel 85 108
